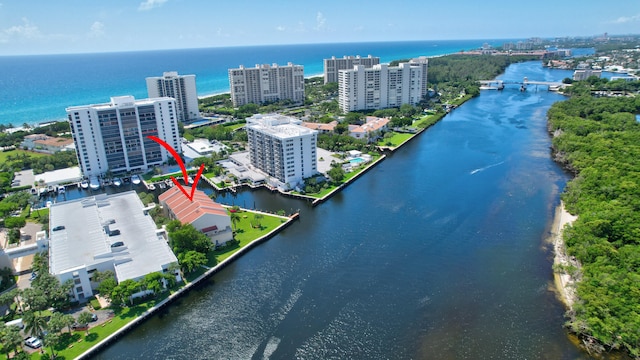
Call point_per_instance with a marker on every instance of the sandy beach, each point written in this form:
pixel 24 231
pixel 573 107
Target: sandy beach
pixel 565 283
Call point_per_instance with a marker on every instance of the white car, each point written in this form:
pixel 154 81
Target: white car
pixel 33 342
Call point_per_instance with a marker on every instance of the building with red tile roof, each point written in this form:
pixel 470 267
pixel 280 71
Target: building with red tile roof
pixel 203 213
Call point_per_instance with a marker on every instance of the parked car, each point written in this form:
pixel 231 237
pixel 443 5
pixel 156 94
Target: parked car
pixel 33 342
pixel 33 276
pixel 94 317
pixel 59 227
pixel 79 327
pixel 117 244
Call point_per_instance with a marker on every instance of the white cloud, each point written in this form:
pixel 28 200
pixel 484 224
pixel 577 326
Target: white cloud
pixel 320 22
pixel 280 28
pixel 97 30
pixel 626 19
pixel 25 31
pixel 151 4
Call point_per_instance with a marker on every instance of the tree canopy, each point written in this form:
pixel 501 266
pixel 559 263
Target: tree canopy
pixel 598 139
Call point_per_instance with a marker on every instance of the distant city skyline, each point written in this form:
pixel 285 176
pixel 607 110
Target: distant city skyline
pixel 76 26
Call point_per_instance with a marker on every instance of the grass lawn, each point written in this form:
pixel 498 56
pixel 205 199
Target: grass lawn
pixel 235 126
pixel 75 343
pixel 38 214
pixel 5 154
pixel 395 140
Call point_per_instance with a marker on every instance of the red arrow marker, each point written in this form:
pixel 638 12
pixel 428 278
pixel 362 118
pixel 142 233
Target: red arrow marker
pixel 185 176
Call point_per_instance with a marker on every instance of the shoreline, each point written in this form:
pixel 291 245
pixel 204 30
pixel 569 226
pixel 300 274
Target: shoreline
pixel 565 282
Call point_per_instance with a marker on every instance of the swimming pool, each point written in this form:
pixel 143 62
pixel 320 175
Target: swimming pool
pixel 357 160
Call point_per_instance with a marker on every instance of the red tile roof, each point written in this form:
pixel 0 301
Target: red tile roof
pixel 189 211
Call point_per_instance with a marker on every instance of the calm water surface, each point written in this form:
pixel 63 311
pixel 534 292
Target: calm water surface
pixel 437 253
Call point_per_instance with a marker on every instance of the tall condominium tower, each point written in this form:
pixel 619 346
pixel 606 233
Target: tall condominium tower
pixel 180 87
pixel 113 136
pixel 282 148
pixel 382 86
pixel 334 65
pixel 266 83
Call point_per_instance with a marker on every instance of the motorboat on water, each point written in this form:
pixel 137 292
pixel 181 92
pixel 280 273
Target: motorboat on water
pixel 61 189
pixel 135 179
pixel 162 185
pixel 34 191
pixel 84 184
pixel 42 191
pixel 117 181
pixel 151 187
pixel 94 183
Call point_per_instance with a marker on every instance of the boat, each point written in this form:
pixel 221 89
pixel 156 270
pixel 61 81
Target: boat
pixel 162 185
pixel 42 191
pixel 34 191
pixel 117 181
pixel 61 189
pixel 50 188
pixel 151 187
pixel 49 203
pixel 84 184
pixel 135 179
pixel 94 183
pixel 168 182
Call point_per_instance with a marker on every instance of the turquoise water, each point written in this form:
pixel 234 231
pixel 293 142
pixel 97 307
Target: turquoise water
pixel 438 252
pixel 357 160
pixel 34 89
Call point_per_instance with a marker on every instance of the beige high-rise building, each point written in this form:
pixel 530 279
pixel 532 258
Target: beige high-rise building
pixel 382 86
pixel 180 87
pixel 266 83
pixel 334 65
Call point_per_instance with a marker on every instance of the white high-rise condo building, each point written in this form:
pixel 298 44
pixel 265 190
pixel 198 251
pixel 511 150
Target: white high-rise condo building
pixel 266 83
pixel 180 87
pixel 113 136
pixel 334 65
pixel 282 148
pixel 382 86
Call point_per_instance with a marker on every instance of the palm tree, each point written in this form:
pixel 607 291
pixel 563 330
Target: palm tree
pixel 11 340
pixel 34 323
pixel 235 218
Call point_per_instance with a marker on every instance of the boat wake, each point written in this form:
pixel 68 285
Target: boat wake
pixel 485 168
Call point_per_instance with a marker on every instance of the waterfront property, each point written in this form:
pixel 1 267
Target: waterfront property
pixel 113 136
pixel 371 130
pixel 282 148
pixel 334 65
pixel 266 83
pixel 382 86
pixel 46 144
pixel 180 87
pixel 105 232
pixel 202 212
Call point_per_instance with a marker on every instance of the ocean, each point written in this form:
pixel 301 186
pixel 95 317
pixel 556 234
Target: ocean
pixel 35 89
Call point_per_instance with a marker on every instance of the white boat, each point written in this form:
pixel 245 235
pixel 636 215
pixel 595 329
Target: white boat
pixel 61 189
pixel 34 191
pixel 42 191
pixel 168 182
pixel 135 179
pixel 151 187
pixel 49 203
pixel 84 184
pixel 94 183
pixel 117 181
pixel 162 185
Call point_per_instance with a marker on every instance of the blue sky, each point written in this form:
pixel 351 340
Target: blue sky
pixel 81 26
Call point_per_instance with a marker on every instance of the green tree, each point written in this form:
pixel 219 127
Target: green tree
pixel 235 219
pixel 106 287
pixel 85 318
pixel 51 340
pixel 34 323
pixel 336 174
pixel 154 282
pixel 11 339
pixel 191 260
pixel 188 238
pixel 257 220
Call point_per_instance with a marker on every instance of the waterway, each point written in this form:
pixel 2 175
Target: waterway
pixel 439 252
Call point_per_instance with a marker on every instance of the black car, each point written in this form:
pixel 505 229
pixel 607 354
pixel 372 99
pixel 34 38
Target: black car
pixel 114 232
pixel 117 244
pixel 59 227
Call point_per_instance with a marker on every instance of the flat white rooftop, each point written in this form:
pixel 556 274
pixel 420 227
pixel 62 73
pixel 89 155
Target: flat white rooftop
pixel 84 242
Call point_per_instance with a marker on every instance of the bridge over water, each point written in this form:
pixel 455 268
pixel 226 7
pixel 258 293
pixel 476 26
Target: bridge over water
pixel 499 84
